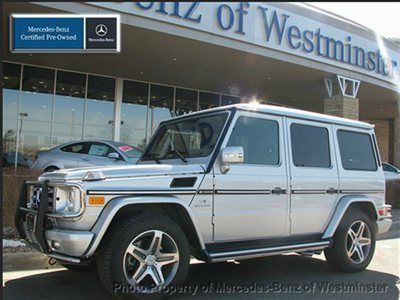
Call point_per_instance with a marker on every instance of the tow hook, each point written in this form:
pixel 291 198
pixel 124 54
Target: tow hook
pixel 52 261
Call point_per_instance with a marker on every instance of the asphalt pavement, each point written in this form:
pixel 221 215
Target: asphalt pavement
pixel 286 276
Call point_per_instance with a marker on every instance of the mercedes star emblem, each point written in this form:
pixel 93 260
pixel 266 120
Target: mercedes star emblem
pixel 101 30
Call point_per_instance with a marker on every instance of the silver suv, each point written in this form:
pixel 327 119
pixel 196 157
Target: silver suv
pixel 234 182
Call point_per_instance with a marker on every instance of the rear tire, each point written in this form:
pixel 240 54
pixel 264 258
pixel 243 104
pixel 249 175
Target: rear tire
pixel 140 245
pixel 353 243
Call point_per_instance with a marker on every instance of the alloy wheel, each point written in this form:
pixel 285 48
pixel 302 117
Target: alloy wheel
pixel 151 260
pixel 358 242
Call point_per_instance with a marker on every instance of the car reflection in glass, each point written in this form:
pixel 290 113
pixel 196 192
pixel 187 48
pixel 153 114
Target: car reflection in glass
pixel 86 153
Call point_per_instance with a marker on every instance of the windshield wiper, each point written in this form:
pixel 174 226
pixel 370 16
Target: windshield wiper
pixel 154 157
pixel 179 155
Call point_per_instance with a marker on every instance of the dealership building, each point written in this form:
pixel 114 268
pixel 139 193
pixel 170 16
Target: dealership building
pixel 177 58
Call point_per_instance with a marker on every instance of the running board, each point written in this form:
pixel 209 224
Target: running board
pixel 260 252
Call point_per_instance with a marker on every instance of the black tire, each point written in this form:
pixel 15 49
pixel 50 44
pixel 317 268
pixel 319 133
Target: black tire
pixel 50 169
pixel 337 256
pixel 110 256
pixel 81 268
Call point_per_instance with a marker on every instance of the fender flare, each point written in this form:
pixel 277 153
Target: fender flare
pixel 341 209
pixel 114 205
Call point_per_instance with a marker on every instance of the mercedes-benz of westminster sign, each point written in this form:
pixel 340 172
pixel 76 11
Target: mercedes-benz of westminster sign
pixel 48 33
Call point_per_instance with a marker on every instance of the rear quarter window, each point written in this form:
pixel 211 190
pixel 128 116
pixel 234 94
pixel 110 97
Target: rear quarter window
pixel 356 151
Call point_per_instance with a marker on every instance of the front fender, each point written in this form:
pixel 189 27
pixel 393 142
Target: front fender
pixel 340 210
pixel 113 206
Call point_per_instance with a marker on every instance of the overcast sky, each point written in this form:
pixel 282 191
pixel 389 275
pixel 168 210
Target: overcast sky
pixel 382 17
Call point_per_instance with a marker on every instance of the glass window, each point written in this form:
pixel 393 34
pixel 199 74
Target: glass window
pixel 185 101
pixel 259 139
pixel 389 168
pixel 99 149
pixel 227 100
pixel 310 146
pixel 356 151
pixel 133 113
pixel 208 100
pixel 161 105
pixel 35 136
pixel 191 137
pixel 70 97
pixel 128 150
pixel 63 133
pixel 11 82
pixel 9 134
pixel 74 148
pixel 98 132
pixel 100 101
pixel 37 93
pixel 135 137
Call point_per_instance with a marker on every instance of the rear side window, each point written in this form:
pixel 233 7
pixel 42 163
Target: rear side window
pixel 74 148
pixel 310 146
pixel 259 139
pixel 356 151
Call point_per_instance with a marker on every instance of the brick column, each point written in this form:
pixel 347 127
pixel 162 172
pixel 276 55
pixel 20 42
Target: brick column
pixel 382 129
pixel 396 151
pixel 342 106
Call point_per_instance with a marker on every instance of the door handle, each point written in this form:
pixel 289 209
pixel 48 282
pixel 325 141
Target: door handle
pixel 85 158
pixel 278 191
pixel 332 191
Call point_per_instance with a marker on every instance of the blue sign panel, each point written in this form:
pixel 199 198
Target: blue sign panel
pixel 48 33
pixel 64 33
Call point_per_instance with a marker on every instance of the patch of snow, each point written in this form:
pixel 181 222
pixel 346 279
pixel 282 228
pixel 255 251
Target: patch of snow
pixel 13 243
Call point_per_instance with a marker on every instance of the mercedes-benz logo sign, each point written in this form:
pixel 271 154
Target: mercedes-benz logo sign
pixel 101 30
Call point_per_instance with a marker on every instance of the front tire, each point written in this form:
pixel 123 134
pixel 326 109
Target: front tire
pixel 353 243
pixel 141 255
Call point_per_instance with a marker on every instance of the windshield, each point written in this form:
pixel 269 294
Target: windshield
pixel 187 138
pixel 130 152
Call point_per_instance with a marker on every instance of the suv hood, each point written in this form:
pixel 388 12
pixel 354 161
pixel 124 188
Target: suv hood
pixel 122 171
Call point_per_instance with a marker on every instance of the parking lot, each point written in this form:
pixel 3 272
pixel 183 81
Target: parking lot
pixel 285 276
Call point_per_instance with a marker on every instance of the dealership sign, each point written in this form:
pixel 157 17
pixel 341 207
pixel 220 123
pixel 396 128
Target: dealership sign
pixel 269 26
pixel 64 33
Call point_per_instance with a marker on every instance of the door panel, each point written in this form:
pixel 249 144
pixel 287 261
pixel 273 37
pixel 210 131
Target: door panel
pixel 97 155
pixel 244 206
pixel 314 175
pixel 70 156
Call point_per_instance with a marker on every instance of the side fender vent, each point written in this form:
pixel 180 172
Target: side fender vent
pixel 183 182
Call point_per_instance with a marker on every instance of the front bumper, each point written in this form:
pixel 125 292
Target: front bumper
pixel 68 242
pixel 34 227
pixel 383 225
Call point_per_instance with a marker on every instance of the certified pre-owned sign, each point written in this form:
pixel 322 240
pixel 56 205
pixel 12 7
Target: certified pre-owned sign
pixel 64 33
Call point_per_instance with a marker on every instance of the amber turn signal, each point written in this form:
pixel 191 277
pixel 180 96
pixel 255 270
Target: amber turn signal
pixel 96 200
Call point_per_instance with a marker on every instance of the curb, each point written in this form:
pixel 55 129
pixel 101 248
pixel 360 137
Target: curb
pixel 23 261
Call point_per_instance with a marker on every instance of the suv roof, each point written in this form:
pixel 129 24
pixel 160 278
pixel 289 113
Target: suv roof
pixel 288 112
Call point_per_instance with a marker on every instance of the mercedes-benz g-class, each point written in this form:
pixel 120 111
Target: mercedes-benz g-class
pixel 233 182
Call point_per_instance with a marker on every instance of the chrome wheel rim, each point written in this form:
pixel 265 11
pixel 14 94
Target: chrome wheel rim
pixel 151 260
pixel 358 242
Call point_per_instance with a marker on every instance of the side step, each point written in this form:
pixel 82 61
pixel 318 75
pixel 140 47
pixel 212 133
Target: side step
pixel 260 252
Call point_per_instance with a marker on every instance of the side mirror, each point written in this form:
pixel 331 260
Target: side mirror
pixel 113 155
pixel 231 155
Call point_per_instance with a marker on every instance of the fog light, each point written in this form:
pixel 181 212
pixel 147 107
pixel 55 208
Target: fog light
pixel 55 244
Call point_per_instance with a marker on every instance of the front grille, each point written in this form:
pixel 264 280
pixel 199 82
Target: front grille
pixel 34 198
pixel 50 199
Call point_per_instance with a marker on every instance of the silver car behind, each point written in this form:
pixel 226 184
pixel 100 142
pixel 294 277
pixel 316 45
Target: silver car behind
pixel 86 153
